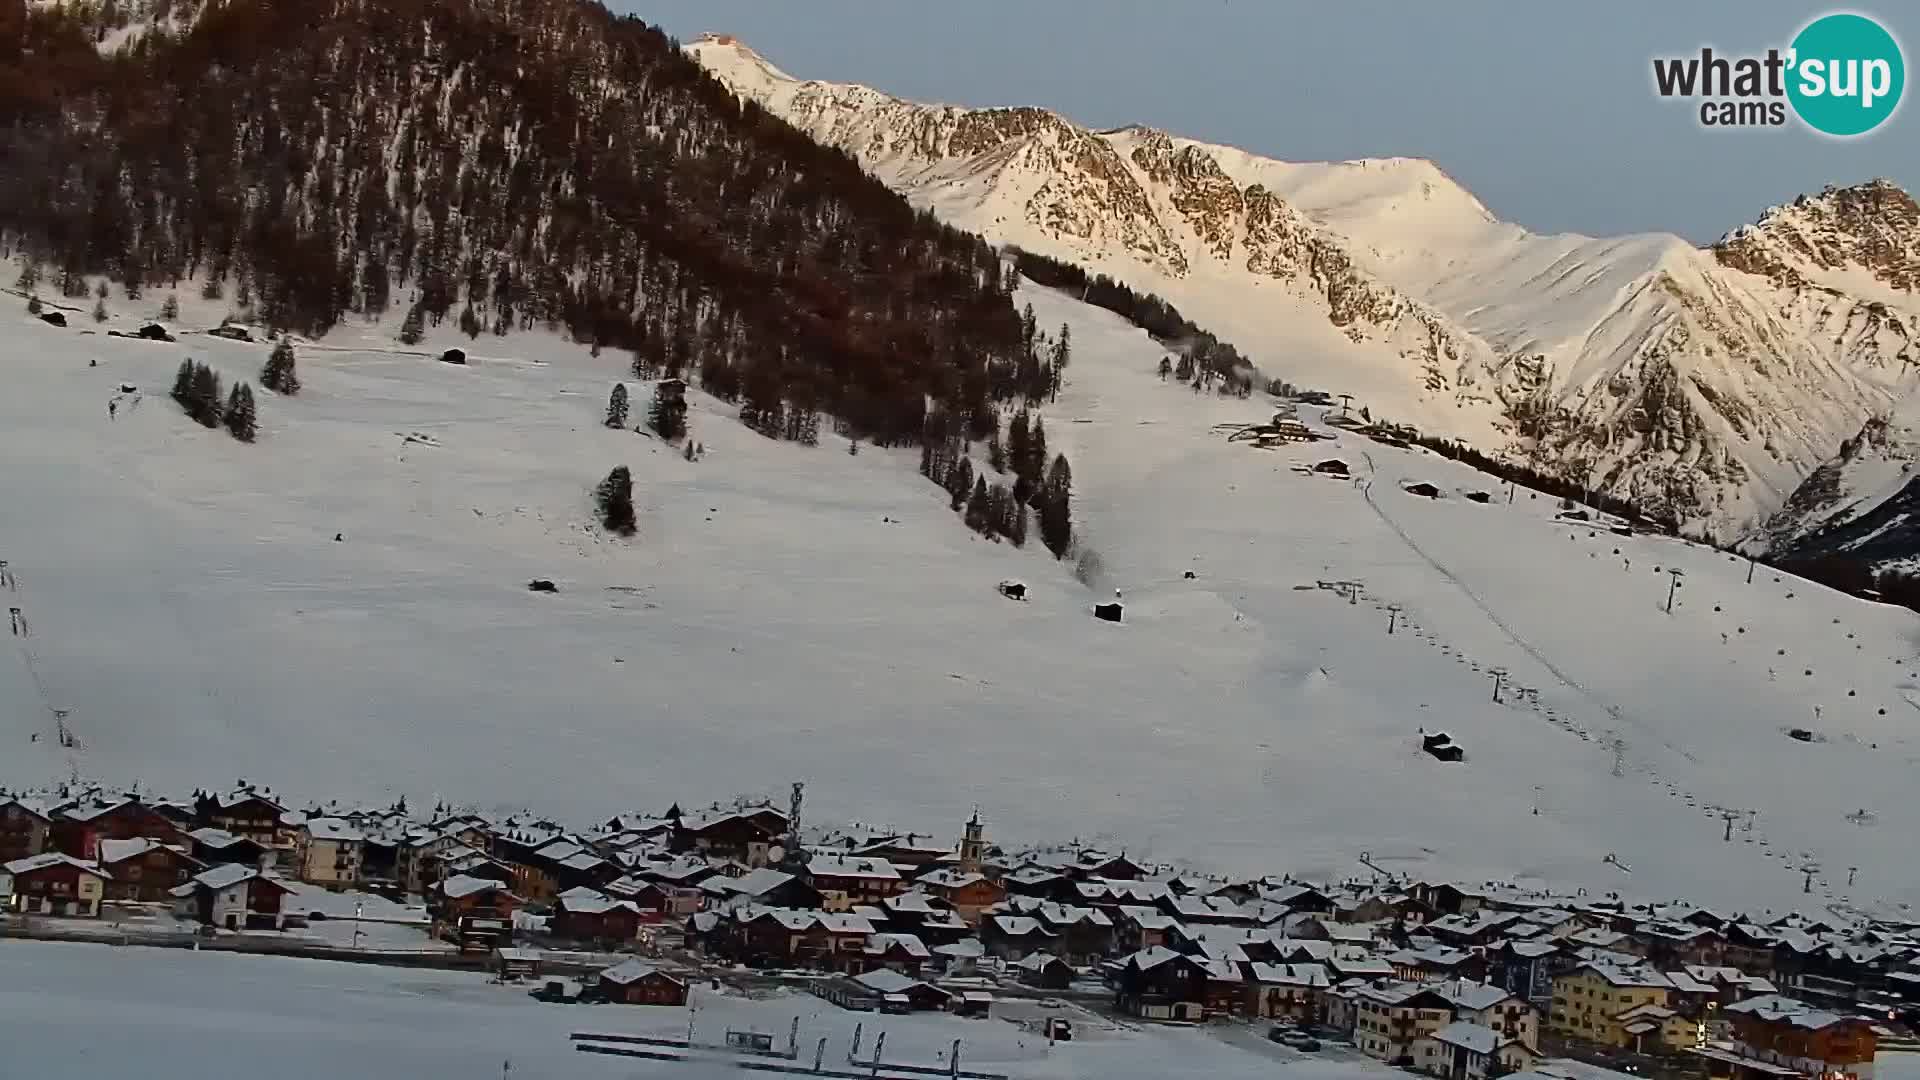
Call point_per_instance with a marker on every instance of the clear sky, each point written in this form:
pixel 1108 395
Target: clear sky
pixel 1544 110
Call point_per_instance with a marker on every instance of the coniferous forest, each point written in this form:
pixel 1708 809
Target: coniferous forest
pixel 505 164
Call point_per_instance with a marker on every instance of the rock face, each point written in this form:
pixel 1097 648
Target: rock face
pixel 1705 385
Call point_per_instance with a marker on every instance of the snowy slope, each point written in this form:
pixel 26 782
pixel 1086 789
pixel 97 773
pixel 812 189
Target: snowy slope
pixel 1687 380
pixel 791 613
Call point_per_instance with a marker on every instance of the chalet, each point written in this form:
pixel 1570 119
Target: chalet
pixel 512 965
pixel 53 883
pixel 1438 962
pixel 1749 948
pixel 1466 1051
pixel 1043 970
pixel 767 887
pixel 586 915
pixel 1332 467
pixel 1441 746
pixel 232 896
pixel 25 829
pixel 911 850
pixel 1036 881
pixel 420 859
pixel 1593 1002
pixel 1350 962
pixel 1011 937
pixel 1671 944
pixel 1390 1017
pixel 1773 1033
pixel 474 913
pixel 1294 991
pixel 741 835
pixel 654 901
pixel 1446 898
pixel 1527 968
pixel 884 991
pixel 1160 984
pixel 789 938
pixel 1730 985
pixel 960 959
pixel 328 852
pixel 904 953
pixel 846 880
pixel 245 812
pixel 1085 934
pixel 636 982
pixel 218 847
pixel 968 893
pixel 1138 928
pixel 77 829
pixel 1298 898
pixel 1494 1008
pixel 145 870
pixel 1422 489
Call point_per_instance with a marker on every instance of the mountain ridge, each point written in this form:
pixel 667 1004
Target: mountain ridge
pixel 1678 377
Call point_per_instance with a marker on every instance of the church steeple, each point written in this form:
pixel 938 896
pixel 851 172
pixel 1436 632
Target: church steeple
pixel 973 846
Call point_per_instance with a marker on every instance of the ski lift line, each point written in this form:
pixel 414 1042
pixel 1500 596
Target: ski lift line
pixel 1612 710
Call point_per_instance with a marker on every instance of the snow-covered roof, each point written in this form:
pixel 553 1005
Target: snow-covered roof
pixel 945 878
pixel 1148 918
pixel 1037 961
pixel 333 829
pixel 632 971
pixel 1775 1008
pixel 1470 1037
pixel 1629 976
pixel 1019 926
pixel 913 902
pixel 113 851
pixel 1473 996
pixel 964 949
pixel 852 866
pixel 460 885
pixel 886 981
pixel 907 943
pixel 47 859
pixel 226 876
pixel 1150 958
pixel 1308 975
pixel 755 882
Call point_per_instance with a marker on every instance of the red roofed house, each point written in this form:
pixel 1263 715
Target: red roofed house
pixel 52 883
pixel 78 829
pixel 145 870
pixel 25 829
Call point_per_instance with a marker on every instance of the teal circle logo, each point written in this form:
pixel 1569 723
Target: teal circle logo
pixel 1847 74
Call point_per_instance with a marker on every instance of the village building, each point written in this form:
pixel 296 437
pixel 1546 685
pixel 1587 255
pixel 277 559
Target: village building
pixel 145 870
pixel 232 897
pixel 1621 1007
pixel 25 829
pixel 1388 1018
pixel 1160 984
pixel 1287 991
pixel 884 991
pixel 969 892
pixel 584 914
pixel 1012 937
pixel 54 883
pixel 218 847
pixel 1494 1008
pixel 844 881
pixel 744 836
pixel 636 982
pixel 474 913
pixel 328 852
pixel 766 887
pixel 77 829
pixel 245 812
pixel 904 953
pixel 1466 1051
pixel 1775 1036
pixel 1043 970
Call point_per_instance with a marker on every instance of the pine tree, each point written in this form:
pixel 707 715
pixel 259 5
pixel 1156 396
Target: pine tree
pixel 1184 372
pixel 690 454
pixel 470 326
pixel 240 418
pixel 1056 508
pixel 1033 470
pixel 1166 368
pixel 1016 521
pixel 413 327
pixel 203 398
pixel 996 455
pixel 960 482
pixel 183 384
pixel 100 310
pixel 853 447
pixel 979 516
pixel 170 309
pixel 33 305
pixel 279 375
pixel 617 406
pixel 101 292
pixel 615 500
pixel 667 416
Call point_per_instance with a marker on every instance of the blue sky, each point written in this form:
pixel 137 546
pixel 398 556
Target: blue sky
pixel 1544 110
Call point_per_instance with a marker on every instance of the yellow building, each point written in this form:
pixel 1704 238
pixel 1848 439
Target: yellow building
pixel 328 852
pixel 1622 1007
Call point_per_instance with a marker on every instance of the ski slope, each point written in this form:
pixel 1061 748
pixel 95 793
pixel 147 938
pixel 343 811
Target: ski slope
pixel 792 613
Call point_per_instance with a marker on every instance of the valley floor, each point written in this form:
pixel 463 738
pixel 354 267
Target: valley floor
pixel 791 613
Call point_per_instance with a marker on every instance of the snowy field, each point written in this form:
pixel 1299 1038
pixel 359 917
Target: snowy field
pixel 97 1010
pixel 791 613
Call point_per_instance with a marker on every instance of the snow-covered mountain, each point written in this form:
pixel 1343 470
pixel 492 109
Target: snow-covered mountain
pixel 1707 383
